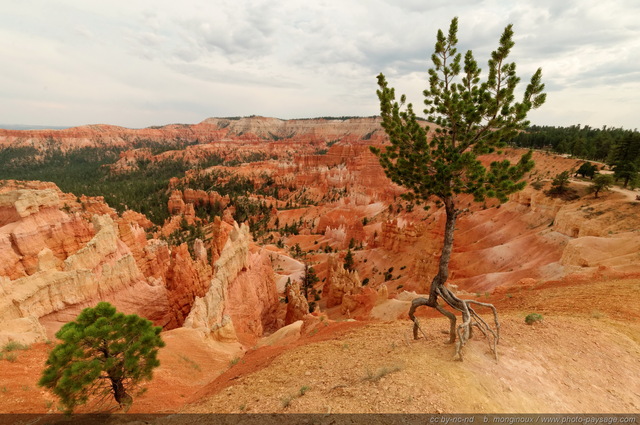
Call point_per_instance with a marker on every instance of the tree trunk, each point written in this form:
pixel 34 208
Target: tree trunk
pixel 441 277
pixel 469 316
pixel 119 393
pixel 447 247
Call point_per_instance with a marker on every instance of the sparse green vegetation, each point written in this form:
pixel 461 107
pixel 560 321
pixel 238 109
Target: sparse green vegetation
pixel 13 346
pixel 286 401
pixel 560 183
pixel 187 233
pixel 8 351
pixel 380 373
pixel 190 362
pixel 10 357
pixel 537 184
pixel 303 390
pixel 533 318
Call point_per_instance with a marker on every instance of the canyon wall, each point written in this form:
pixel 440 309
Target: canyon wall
pixel 246 130
pixel 59 258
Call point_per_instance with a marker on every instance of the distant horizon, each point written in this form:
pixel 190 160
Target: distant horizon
pixel 27 127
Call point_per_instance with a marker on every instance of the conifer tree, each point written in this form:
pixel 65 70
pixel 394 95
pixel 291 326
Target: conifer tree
pixel 349 261
pixel 103 353
pixel 587 169
pixel 472 118
pixel 625 158
pixel 601 183
pixel 560 184
pixel 309 279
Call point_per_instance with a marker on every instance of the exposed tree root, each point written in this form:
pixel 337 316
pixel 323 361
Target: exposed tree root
pixel 470 319
pixel 416 325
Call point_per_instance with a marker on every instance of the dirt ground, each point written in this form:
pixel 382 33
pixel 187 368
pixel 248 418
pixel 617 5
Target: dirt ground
pixel 584 356
pixel 564 364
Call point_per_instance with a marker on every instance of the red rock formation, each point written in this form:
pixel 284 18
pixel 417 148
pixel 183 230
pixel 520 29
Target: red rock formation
pixel 55 263
pixel 253 300
pixel 247 130
pixel 297 305
pixel 340 282
pixel 242 294
pixel 185 280
pixel 32 221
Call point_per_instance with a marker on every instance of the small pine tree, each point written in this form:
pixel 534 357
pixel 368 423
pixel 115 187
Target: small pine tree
pixel 348 261
pixel 102 353
pixel 601 182
pixel 560 183
pixel 587 169
pixel 309 279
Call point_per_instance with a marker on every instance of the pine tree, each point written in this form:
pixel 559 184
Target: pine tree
pixel 103 353
pixel 625 157
pixel 473 118
pixel 348 261
pixel 601 182
pixel 309 279
pixel 587 169
pixel 560 184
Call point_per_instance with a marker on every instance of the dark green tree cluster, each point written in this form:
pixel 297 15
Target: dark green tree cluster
pixel 226 183
pixel 246 158
pixel 587 169
pixel 617 147
pixel 85 171
pixel 158 147
pixel 625 159
pixel 473 117
pixel 103 354
pixel 582 142
pixel 187 233
pixel 256 213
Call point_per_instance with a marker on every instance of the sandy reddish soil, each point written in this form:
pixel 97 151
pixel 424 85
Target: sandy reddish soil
pixel 629 194
pixel 186 368
pixel 543 368
pixel 582 357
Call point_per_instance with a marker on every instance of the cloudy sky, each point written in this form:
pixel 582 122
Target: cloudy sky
pixel 138 63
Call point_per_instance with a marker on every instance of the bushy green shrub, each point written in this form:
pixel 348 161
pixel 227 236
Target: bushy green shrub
pixel 533 318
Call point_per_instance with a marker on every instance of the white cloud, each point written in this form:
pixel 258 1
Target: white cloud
pixel 156 61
